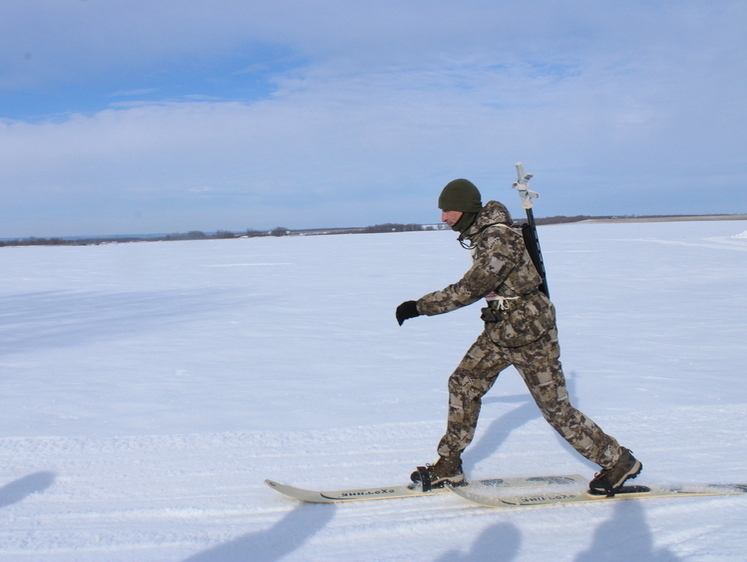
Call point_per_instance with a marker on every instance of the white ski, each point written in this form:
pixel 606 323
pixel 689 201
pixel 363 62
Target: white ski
pixel 386 492
pixel 484 496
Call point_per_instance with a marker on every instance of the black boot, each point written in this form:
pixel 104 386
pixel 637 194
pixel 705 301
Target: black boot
pixel 445 470
pixel 609 480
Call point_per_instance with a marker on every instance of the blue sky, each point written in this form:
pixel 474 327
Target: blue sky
pixel 130 116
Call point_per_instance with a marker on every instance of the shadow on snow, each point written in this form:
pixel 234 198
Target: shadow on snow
pixel 286 536
pixel 20 489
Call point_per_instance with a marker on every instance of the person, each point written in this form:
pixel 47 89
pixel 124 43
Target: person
pixel 520 330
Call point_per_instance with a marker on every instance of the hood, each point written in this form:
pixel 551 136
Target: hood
pixel 492 213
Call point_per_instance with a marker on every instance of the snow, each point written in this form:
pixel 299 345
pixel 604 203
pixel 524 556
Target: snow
pixel 150 388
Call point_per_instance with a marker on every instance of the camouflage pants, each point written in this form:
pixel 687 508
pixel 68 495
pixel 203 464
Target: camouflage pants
pixel 539 365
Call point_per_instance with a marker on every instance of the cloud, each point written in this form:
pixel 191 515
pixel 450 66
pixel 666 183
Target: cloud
pixel 335 113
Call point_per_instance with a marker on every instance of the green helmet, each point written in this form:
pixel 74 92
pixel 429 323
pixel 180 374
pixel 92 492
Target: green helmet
pixel 460 195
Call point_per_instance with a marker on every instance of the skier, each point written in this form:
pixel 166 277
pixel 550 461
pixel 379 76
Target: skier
pixel 520 330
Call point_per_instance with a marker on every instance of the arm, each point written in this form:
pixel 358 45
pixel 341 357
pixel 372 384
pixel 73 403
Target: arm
pixel 494 258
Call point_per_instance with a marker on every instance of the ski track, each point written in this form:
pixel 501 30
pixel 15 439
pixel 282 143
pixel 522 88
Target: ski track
pixel 133 429
pixel 175 497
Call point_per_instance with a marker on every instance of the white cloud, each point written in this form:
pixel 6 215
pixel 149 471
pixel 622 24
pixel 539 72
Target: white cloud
pixel 605 102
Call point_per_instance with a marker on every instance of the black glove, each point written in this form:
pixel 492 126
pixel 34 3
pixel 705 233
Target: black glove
pixel 408 309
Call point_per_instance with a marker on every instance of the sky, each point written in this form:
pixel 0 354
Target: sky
pixel 160 116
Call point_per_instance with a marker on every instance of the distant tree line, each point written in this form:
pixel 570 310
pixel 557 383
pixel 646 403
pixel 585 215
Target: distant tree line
pixel 221 234
pixel 251 233
pixel 83 241
pixel 392 227
pixel 562 219
pixel 200 235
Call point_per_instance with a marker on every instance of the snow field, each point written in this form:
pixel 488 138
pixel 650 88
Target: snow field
pixel 149 389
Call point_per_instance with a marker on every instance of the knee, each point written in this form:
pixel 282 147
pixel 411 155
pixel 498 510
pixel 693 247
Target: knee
pixel 556 408
pixel 467 386
pixel 460 380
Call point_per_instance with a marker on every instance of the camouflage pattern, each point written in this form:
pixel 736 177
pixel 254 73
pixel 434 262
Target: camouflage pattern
pixel 539 365
pixel 501 265
pixel 520 330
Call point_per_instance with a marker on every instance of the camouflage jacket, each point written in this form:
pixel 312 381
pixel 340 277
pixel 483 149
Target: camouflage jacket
pixel 500 266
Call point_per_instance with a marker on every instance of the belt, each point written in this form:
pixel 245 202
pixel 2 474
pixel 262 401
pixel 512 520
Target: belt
pixel 502 302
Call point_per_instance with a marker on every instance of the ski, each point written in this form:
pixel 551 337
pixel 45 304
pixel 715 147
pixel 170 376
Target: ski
pixel 387 492
pixel 484 496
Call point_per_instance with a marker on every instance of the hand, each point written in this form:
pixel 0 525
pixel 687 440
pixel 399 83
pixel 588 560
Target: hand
pixel 408 309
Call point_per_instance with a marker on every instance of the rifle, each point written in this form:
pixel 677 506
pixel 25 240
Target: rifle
pixel 529 228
